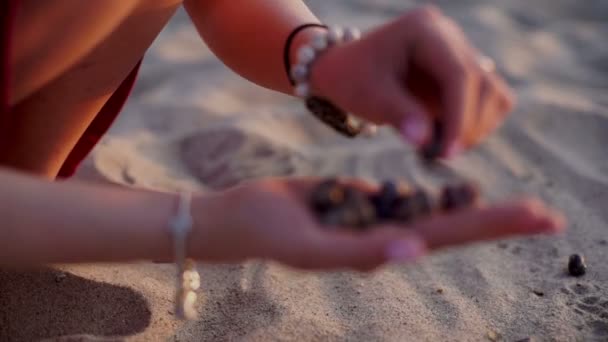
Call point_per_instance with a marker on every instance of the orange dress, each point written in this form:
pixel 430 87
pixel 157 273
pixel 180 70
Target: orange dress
pixel 100 124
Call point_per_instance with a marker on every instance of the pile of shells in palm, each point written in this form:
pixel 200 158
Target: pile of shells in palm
pixel 338 204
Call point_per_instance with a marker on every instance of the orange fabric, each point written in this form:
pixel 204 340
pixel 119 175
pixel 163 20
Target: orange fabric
pixel 100 124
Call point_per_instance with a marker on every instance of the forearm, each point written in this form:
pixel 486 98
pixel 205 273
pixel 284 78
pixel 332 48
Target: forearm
pixel 45 222
pixel 249 36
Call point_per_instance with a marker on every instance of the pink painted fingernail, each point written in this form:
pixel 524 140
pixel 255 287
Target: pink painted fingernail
pixel 414 129
pixel 405 250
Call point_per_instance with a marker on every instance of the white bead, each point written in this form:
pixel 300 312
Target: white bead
pixel 351 34
pixel 302 90
pixel 319 42
pixel 299 73
pixel 306 54
pixel 335 35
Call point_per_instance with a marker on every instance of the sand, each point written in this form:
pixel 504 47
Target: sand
pixel 186 106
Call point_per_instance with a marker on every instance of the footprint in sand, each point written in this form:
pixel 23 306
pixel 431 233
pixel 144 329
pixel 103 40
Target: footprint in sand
pixel 590 302
pixel 222 158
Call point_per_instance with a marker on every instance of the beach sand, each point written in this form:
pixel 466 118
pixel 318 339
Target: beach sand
pixel 187 106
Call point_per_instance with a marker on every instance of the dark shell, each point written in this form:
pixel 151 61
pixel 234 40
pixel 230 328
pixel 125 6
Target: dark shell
pixel 404 210
pixel 423 202
pixel 384 200
pixel 576 265
pixel 341 216
pixel 412 206
pixel 326 195
pixel 432 151
pixel 357 201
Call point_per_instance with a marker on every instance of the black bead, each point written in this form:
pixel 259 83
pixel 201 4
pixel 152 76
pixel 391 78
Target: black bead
pixel 576 265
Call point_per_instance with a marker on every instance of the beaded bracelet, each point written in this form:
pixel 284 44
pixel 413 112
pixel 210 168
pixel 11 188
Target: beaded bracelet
pixel 188 279
pixel 320 107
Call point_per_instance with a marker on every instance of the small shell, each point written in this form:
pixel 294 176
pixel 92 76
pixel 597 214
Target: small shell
pixel 361 206
pixel 191 280
pixel 327 194
pixel 189 305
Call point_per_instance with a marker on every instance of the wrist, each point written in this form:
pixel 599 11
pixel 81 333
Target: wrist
pixel 309 87
pixel 155 242
pixel 206 242
pixel 223 229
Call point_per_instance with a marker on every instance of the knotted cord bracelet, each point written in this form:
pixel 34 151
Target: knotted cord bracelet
pixel 299 76
pixel 289 42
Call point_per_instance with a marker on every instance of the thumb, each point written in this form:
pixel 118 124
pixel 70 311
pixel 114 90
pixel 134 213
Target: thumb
pixel 401 109
pixel 367 251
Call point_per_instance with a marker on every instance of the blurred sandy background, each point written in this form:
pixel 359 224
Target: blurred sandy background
pixel 187 106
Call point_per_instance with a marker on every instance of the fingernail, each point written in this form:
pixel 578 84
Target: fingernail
pixel 454 150
pixel 414 130
pixel 405 250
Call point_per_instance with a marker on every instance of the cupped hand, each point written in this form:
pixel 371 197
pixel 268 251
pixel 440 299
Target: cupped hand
pixel 270 219
pixel 411 71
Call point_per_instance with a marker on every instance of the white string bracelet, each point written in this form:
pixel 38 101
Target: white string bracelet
pixel 323 109
pixel 188 279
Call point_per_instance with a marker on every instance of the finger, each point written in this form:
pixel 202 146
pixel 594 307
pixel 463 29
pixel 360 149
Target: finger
pixel 447 62
pixel 506 96
pixel 486 113
pixel 363 251
pixel 494 100
pixel 519 218
pixel 496 104
pixel 505 103
pixel 394 105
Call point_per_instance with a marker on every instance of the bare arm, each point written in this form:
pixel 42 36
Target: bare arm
pixel 46 222
pixel 249 36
